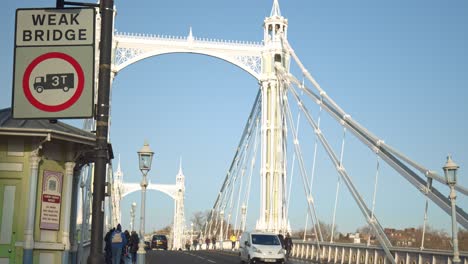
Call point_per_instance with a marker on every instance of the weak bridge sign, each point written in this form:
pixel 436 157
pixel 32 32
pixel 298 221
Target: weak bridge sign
pixel 54 63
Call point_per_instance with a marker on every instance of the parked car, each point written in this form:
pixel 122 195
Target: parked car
pixel 262 247
pixel 159 242
pixel 147 245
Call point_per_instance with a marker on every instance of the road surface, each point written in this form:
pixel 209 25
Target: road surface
pixel 197 257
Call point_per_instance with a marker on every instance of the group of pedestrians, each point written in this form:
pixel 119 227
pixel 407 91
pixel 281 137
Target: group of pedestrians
pixel 120 247
pixel 286 243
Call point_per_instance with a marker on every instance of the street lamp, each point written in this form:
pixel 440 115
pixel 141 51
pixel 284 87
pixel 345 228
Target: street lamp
pixel 132 216
pixel 145 157
pixel 244 212
pixel 450 170
pixel 221 215
pixel 191 235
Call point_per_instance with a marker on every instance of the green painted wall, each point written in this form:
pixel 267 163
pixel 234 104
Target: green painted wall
pixel 53 158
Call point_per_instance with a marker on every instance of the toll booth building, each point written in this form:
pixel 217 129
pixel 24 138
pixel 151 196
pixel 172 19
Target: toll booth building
pixel 40 164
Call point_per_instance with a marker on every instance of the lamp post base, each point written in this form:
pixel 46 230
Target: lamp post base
pixel 141 254
pixel 95 259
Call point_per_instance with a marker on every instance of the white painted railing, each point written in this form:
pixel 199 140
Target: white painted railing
pixel 363 254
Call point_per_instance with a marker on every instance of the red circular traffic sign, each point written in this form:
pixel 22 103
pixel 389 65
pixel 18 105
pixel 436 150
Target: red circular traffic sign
pixel 50 107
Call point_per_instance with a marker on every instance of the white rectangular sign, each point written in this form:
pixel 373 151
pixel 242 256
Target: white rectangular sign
pixel 54 27
pixel 52 182
pixel 54 71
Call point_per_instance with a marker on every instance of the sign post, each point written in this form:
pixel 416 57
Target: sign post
pixel 54 63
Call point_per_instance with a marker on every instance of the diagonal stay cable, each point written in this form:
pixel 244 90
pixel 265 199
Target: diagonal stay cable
pixel 341 170
pixel 340 113
pixel 254 110
pixel 382 150
pixel 305 180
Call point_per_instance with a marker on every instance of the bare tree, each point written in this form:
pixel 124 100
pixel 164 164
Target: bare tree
pixel 325 228
pixel 463 240
pixel 167 230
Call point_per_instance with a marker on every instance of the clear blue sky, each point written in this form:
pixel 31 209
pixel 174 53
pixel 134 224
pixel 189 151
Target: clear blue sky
pixel 398 67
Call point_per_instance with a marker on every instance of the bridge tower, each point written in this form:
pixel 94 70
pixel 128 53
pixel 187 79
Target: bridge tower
pixel 116 196
pixel 273 215
pixel 179 220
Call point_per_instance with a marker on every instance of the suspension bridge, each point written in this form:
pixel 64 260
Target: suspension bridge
pixel 295 135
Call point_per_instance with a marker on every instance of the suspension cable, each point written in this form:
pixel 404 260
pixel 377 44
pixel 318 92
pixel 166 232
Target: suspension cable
pixel 305 180
pixel 248 150
pixel 362 205
pixel 366 135
pixel 375 193
pixel 219 200
pixel 312 177
pixel 388 156
pixel 428 186
pixel 338 183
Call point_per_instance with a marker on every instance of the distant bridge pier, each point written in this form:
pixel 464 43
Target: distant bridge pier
pixel 175 191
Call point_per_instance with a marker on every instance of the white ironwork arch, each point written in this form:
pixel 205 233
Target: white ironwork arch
pixel 129 49
pixel 170 190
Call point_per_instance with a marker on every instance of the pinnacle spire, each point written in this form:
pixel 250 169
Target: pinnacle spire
pixel 118 165
pixel 180 165
pixel 119 173
pixel 275 10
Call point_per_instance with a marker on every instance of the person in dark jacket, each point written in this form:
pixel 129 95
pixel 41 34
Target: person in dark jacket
pixel 125 250
pixel 281 238
pixel 288 244
pixel 207 241
pixel 108 246
pixel 134 240
pixel 213 241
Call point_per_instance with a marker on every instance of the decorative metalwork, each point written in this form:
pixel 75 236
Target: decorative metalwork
pixel 130 48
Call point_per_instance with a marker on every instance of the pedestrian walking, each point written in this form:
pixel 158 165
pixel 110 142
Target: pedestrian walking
pixel 207 241
pixel 233 239
pixel 134 240
pixel 213 240
pixel 108 246
pixel 288 244
pixel 281 238
pixel 125 258
pixel 118 243
pixel 195 244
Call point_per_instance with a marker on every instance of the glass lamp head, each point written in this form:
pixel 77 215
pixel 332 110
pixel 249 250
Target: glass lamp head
pixel 145 157
pixel 450 170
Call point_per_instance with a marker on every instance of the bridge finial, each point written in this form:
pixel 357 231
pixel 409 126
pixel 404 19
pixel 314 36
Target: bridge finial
pixel 275 10
pixel 190 35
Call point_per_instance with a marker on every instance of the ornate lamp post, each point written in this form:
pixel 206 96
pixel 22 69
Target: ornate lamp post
pixel 145 157
pixel 244 212
pixel 191 235
pixel 132 216
pixel 221 215
pixel 450 170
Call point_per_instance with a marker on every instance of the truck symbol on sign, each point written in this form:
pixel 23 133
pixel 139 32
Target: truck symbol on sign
pixel 63 81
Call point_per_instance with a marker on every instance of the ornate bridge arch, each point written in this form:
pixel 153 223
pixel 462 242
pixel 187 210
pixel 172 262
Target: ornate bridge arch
pixel 257 59
pixel 131 48
pixel 170 190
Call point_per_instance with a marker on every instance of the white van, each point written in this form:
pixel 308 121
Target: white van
pixel 255 247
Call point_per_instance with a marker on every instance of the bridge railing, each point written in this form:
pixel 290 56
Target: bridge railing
pixel 186 39
pixel 364 254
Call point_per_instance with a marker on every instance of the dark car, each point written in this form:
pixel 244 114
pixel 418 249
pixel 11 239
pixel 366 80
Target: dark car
pixel 147 245
pixel 159 241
